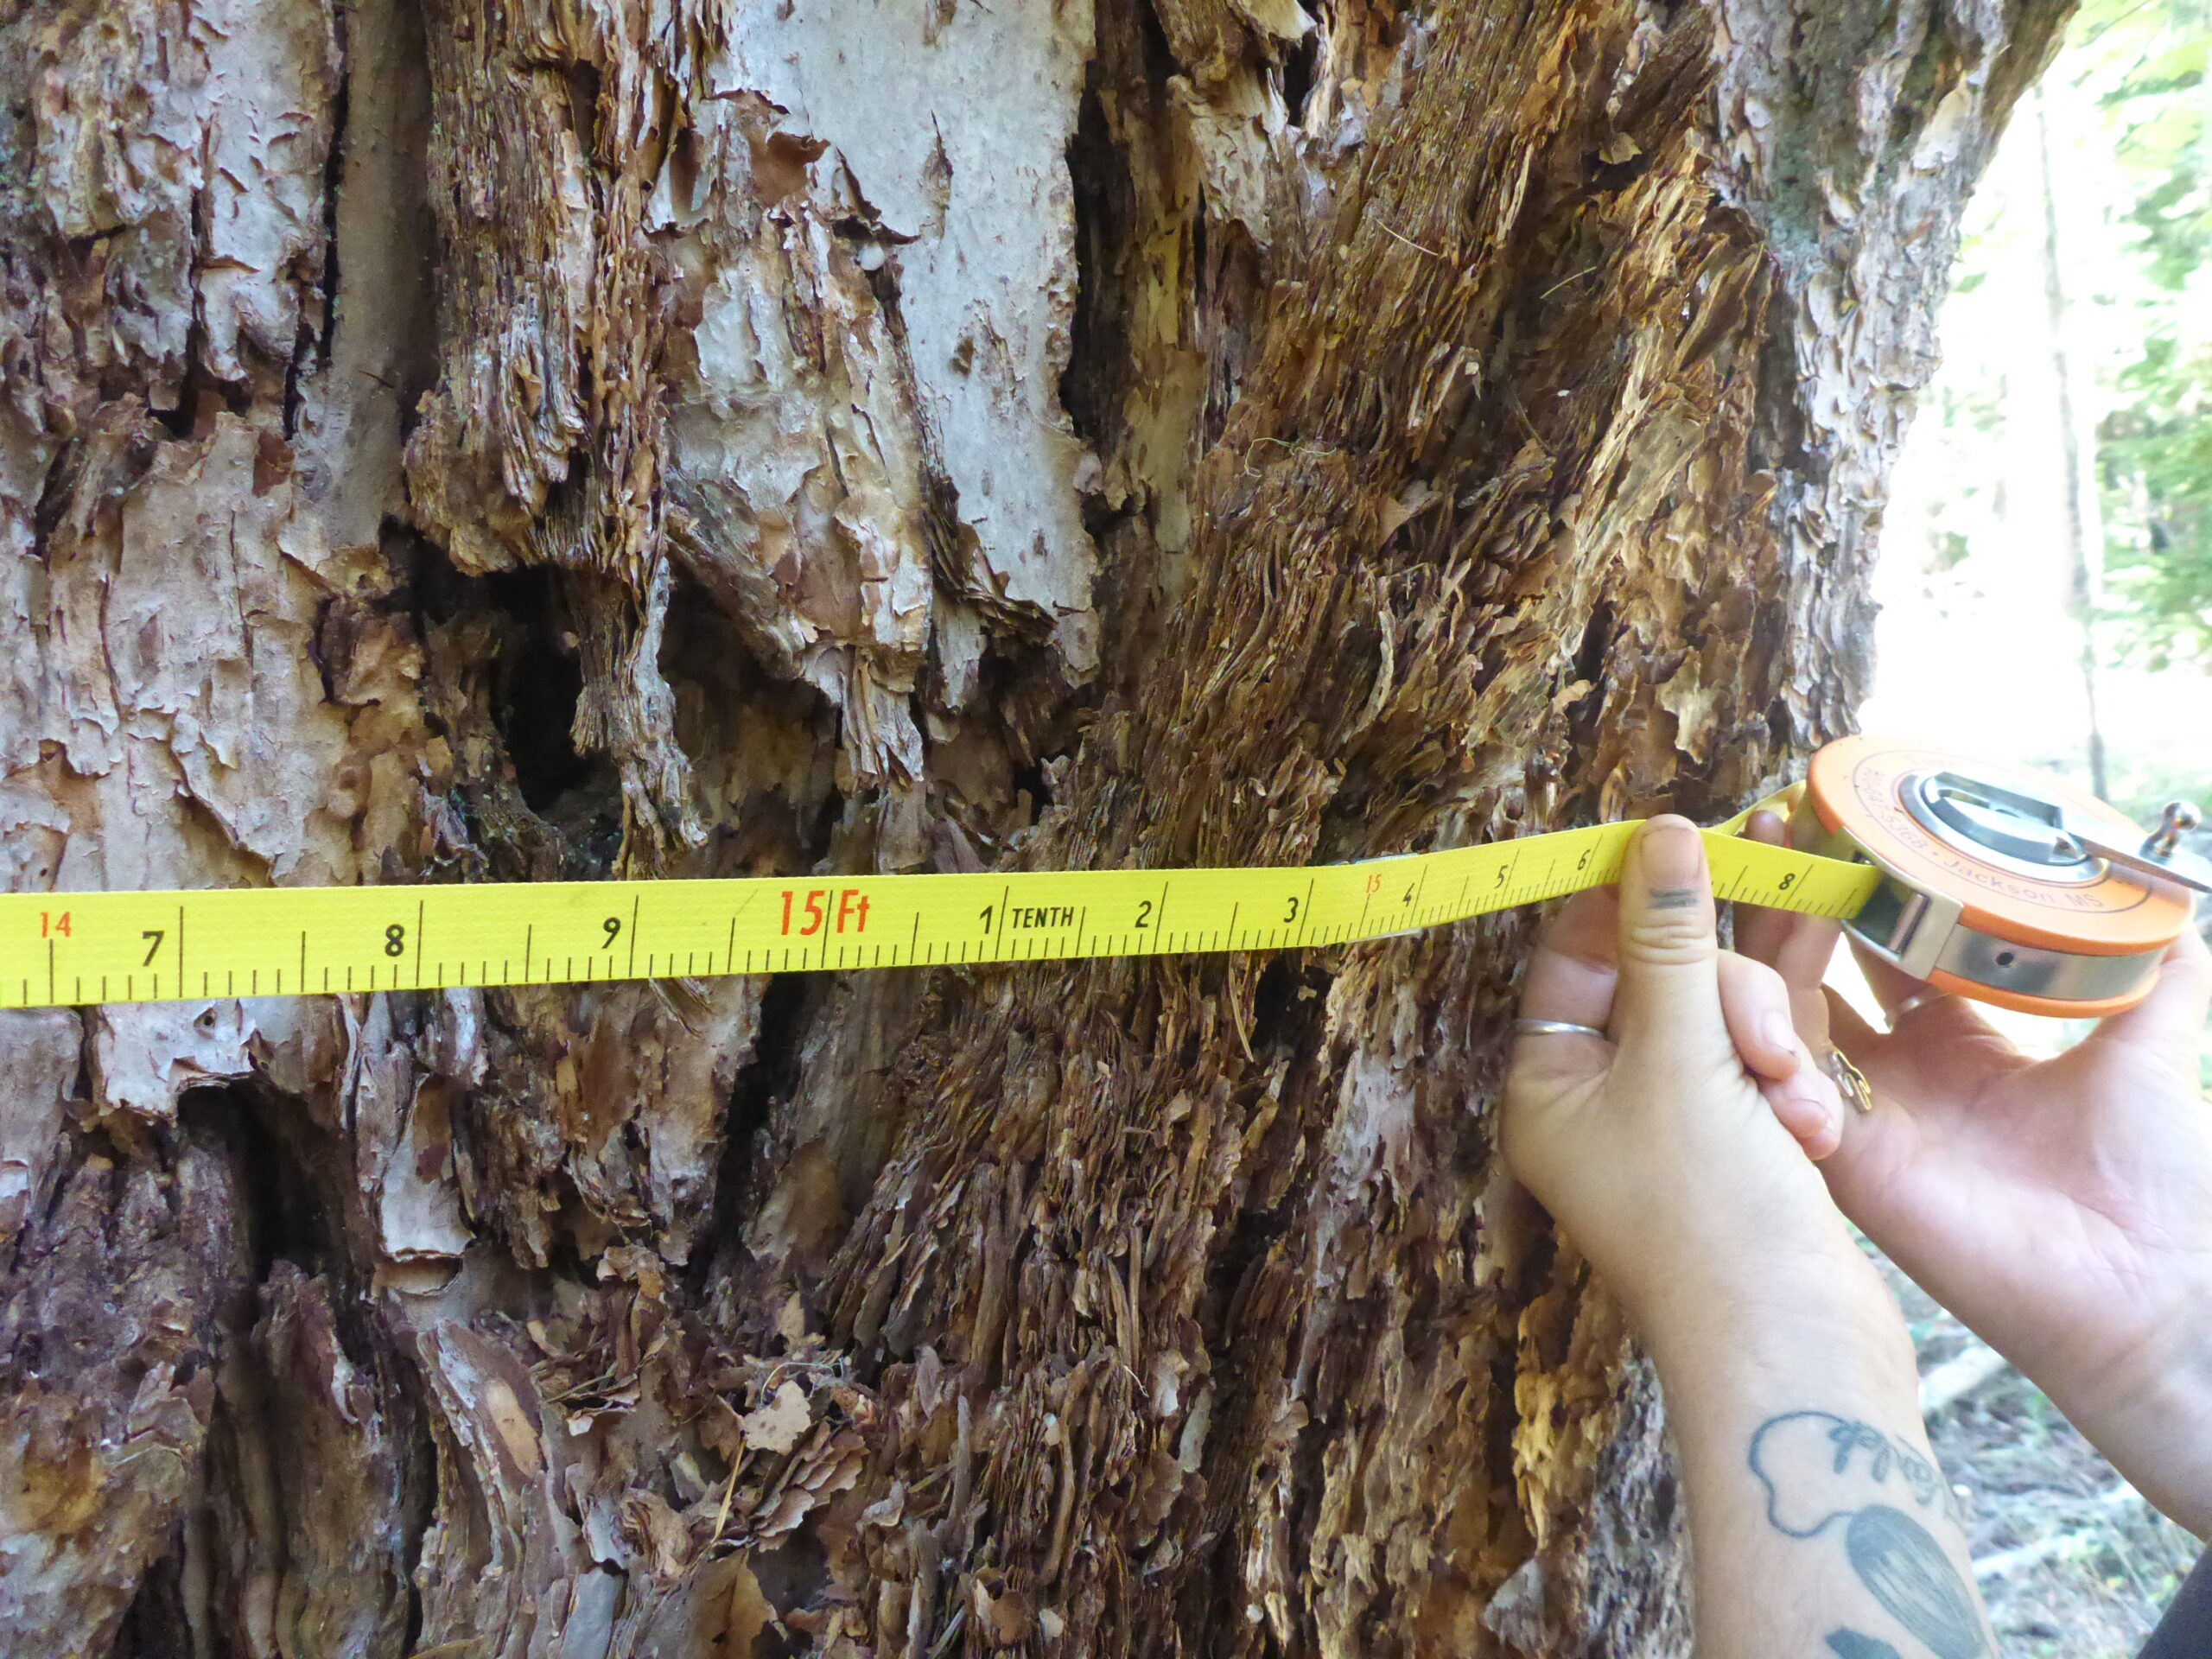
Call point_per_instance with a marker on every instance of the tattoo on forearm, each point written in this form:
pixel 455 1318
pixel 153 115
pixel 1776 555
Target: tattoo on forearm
pixel 1823 1436
pixel 1675 898
pixel 1818 1470
pixel 1852 1645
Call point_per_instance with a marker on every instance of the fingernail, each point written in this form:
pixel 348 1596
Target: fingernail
pixel 1779 1032
pixel 1673 854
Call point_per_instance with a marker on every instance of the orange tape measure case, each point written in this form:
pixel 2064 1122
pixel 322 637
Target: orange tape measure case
pixel 2000 884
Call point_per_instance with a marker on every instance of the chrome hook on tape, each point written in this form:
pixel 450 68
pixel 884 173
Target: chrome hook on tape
pixel 2002 885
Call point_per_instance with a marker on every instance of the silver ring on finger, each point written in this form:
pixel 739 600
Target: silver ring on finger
pixel 1919 999
pixel 1556 1028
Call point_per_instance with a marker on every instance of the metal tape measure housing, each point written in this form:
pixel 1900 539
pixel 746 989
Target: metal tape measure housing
pixel 1993 885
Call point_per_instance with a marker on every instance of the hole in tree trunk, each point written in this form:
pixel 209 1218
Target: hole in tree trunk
pixel 286 1217
pixel 1298 66
pixel 764 1081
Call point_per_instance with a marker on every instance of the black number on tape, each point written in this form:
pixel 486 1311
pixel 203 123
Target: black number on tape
pixel 613 926
pixel 155 935
pixel 395 940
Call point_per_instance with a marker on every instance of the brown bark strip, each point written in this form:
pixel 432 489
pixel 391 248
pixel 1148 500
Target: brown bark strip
pixel 1401 626
pixel 1527 351
pixel 545 443
pixel 887 438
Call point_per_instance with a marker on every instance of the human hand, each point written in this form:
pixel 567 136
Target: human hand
pixel 2061 1208
pixel 1668 1150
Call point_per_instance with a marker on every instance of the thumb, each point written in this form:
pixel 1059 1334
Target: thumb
pixel 2169 1022
pixel 1669 991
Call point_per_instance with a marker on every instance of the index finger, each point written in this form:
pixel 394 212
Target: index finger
pixel 1796 947
pixel 1577 959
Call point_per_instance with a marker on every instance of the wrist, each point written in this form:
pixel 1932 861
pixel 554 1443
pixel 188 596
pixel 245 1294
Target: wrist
pixel 1718 1343
pixel 2150 1412
pixel 1773 1308
pixel 1712 1267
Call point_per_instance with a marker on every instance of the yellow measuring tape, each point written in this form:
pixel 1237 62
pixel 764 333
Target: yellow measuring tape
pixel 63 949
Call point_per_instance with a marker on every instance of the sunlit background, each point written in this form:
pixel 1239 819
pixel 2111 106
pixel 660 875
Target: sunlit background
pixel 2046 575
pixel 2046 585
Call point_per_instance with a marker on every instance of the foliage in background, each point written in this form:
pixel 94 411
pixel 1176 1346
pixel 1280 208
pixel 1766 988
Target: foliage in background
pixel 1978 653
pixel 2149 59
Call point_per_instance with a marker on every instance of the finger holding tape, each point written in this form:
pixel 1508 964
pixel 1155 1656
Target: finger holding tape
pixel 1755 1004
pixel 1669 1005
pixel 1575 967
pixel 1797 946
pixel 1802 1093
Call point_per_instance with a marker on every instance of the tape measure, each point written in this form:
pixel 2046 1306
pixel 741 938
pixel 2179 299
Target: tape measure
pixel 2000 884
pixel 66 949
pixel 60 949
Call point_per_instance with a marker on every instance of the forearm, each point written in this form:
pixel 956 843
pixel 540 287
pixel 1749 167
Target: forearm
pixel 1819 1524
pixel 2149 1413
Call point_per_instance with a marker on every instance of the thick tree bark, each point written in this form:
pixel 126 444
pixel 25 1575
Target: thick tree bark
pixel 500 440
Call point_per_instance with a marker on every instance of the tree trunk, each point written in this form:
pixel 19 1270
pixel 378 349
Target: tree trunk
pixel 495 441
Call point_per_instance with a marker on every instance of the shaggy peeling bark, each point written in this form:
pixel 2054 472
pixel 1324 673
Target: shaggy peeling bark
pixel 454 441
